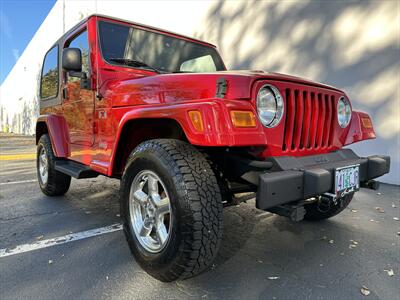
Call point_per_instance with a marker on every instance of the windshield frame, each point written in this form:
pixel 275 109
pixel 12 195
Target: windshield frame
pixel 156 31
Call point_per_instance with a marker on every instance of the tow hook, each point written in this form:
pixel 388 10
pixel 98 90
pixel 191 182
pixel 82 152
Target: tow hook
pixel 326 201
pixel 331 198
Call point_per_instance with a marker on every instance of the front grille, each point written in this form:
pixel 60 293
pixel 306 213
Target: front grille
pixel 310 120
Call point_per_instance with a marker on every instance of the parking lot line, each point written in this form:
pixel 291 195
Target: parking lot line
pixel 59 240
pixel 17 182
pixel 23 156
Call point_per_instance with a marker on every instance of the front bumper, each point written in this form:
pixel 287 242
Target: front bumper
pixel 297 178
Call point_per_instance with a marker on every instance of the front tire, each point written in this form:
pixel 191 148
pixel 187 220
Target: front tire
pixel 51 181
pixel 171 209
pixel 316 211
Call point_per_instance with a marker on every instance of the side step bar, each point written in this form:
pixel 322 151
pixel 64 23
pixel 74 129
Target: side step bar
pixel 75 169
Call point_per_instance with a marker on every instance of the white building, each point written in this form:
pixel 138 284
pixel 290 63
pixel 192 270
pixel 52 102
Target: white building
pixel 352 46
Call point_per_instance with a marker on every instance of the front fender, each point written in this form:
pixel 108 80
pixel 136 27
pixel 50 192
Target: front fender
pixel 58 131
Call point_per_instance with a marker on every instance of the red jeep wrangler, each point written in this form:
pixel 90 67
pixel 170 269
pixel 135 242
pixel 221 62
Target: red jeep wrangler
pixel 186 137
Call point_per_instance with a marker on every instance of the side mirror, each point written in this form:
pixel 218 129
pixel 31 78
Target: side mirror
pixel 72 64
pixel 72 60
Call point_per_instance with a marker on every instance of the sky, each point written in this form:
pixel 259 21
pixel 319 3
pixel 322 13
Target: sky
pixel 19 21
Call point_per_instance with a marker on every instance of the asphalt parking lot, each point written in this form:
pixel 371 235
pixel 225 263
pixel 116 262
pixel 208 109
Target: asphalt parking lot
pixel 263 256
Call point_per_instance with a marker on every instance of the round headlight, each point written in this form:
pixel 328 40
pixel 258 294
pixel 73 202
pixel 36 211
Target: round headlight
pixel 343 112
pixel 269 106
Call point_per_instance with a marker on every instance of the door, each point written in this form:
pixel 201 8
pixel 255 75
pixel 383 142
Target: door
pixel 78 104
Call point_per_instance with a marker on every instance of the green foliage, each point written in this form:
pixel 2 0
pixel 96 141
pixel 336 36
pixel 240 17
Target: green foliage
pixel 49 84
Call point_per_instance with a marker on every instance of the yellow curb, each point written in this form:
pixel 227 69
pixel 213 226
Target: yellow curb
pixel 18 156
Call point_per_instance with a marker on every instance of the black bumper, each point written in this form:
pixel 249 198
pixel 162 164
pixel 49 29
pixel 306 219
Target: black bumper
pixel 298 178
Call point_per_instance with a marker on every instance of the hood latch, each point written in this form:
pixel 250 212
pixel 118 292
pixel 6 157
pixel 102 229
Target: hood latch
pixel 222 86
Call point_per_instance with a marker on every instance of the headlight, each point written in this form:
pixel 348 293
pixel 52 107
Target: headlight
pixel 343 112
pixel 269 106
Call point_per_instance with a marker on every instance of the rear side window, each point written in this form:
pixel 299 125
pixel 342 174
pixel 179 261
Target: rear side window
pixel 49 78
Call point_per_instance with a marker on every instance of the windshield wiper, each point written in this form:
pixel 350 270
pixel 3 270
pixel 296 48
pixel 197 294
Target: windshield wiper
pixel 134 63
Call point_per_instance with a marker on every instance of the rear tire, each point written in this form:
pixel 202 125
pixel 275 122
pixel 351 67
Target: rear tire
pixel 194 225
pixel 51 181
pixel 316 212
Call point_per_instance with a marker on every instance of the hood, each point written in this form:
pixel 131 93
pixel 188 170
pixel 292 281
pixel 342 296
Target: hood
pixel 260 74
pixel 170 88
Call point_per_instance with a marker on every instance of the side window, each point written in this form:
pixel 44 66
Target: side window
pixel 49 78
pixel 81 42
pixel 199 64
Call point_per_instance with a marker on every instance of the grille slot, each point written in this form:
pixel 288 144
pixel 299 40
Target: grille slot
pixel 310 120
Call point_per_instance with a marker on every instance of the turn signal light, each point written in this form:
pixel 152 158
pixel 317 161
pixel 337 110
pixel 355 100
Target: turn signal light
pixel 366 122
pixel 242 118
pixel 197 120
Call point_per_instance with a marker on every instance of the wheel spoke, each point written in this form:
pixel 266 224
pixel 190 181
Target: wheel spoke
pixel 43 158
pixel 152 184
pixel 142 183
pixel 161 234
pixel 140 197
pixel 147 226
pixel 162 206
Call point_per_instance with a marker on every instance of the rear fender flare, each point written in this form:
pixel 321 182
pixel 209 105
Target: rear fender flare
pixel 58 131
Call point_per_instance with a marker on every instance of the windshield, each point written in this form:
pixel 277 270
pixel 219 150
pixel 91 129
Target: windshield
pixel 130 46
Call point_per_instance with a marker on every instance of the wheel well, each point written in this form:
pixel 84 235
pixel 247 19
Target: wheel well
pixel 135 132
pixel 41 128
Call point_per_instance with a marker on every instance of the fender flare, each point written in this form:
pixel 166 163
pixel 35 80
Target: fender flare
pixel 218 129
pixel 357 131
pixel 58 131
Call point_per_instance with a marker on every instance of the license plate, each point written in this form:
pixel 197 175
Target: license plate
pixel 347 180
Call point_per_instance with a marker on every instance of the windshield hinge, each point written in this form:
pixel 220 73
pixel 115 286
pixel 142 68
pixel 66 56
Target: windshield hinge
pixel 222 86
